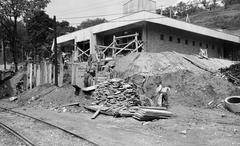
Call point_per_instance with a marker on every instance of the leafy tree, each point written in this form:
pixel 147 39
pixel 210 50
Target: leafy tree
pixel 230 2
pixel 205 3
pixel 40 32
pixel 91 22
pixel 39 29
pixel 64 28
pixel 11 11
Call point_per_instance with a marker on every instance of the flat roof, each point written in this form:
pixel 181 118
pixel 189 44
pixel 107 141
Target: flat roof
pixel 146 16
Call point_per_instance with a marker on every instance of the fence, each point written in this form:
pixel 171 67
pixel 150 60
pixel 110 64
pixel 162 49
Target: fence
pixel 43 73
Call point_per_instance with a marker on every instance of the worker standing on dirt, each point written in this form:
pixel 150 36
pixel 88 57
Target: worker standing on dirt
pixel 162 95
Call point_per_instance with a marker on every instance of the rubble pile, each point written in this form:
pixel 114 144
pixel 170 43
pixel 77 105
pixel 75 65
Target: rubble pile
pixel 118 97
pixel 232 73
pixel 116 94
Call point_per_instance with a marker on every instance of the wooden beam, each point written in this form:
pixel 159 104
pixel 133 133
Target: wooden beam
pixel 125 47
pixel 126 36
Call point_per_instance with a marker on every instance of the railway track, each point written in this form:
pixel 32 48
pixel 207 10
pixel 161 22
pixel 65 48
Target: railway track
pixel 25 139
pixel 20 137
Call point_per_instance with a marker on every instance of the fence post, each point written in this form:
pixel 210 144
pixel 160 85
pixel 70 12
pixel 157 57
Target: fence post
pixel 31 75
pixel 50 73
pixel 38 75
pixel 60 77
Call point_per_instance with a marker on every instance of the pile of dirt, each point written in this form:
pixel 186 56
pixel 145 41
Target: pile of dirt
pixel 187 88
pixel 198 90
pixel 154 64
pixel 52 97
pixel 8 87
pixel 193 83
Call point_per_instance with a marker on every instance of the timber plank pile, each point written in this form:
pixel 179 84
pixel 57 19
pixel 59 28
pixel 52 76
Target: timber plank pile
pixel 116 94
pixel 119 98
pixel 232 73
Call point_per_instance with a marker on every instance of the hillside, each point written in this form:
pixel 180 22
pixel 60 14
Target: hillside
pixel 226 19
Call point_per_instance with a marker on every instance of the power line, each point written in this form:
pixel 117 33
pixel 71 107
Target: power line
pixel 103 15
pixel 129 20
pixel 89 16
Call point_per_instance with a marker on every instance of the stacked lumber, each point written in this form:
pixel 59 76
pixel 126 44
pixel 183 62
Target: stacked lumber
pixel 232 73
pixel 145 114
pixel 117 97
pixel 117 94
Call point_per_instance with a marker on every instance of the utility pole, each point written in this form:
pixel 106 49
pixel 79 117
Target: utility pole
pixel 55 51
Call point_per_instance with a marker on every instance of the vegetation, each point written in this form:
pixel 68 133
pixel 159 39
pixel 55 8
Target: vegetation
pixel 10 12
pixel 91 22
pixel 208 13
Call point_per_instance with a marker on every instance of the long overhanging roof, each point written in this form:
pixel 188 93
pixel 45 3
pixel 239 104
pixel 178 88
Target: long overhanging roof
pixel 86 34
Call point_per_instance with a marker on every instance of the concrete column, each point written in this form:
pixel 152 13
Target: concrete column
pixel 93 43
pixel 145 37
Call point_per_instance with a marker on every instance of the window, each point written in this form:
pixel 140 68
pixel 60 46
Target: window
pixel 179 40
pixel 200 44
pixel 193 43
pixel 170 38
pixel 206 45
pixel 162 37
pixel 186 42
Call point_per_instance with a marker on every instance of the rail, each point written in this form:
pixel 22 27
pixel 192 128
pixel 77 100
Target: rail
pixel 21 137
pixel 64 130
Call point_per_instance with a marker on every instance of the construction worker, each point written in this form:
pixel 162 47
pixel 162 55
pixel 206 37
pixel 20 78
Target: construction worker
pixel 162 95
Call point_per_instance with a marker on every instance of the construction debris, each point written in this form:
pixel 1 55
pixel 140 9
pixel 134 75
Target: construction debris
pixel 151 114
pixel 232 73
pixel 116 93
pixel 117 97
pixel 13 98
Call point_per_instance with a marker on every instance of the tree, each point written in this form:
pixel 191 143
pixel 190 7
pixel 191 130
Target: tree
pixel 11 11
pixel 64 28
pixel 91 22
pixel 230 2
pixel 39 29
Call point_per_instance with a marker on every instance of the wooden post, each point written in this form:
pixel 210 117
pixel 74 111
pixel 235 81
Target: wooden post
pixel 114 45
pixel 35 73
pixel 38 75
pixel 53 78
pixel 4 55
pixel 45 73
pixel 55 51
pixel 31 75
pixel 73 74
pixel 60 78
pixel 28 82
pixel 50 73
pixel 2 51
pixel 136 41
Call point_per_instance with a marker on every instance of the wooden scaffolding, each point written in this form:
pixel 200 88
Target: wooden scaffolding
pixel 123 45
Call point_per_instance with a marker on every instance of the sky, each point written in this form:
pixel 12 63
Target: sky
pixel 70 9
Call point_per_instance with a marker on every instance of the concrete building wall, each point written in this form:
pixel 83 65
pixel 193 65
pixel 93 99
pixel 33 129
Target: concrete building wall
pixel 162 38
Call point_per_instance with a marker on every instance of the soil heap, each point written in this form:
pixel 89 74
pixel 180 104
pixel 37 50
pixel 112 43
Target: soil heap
pixel 193 81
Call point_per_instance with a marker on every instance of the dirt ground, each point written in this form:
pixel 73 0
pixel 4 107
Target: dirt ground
pixel 7 139
pixel 196 122
pixel 191 126
pixel 40 134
